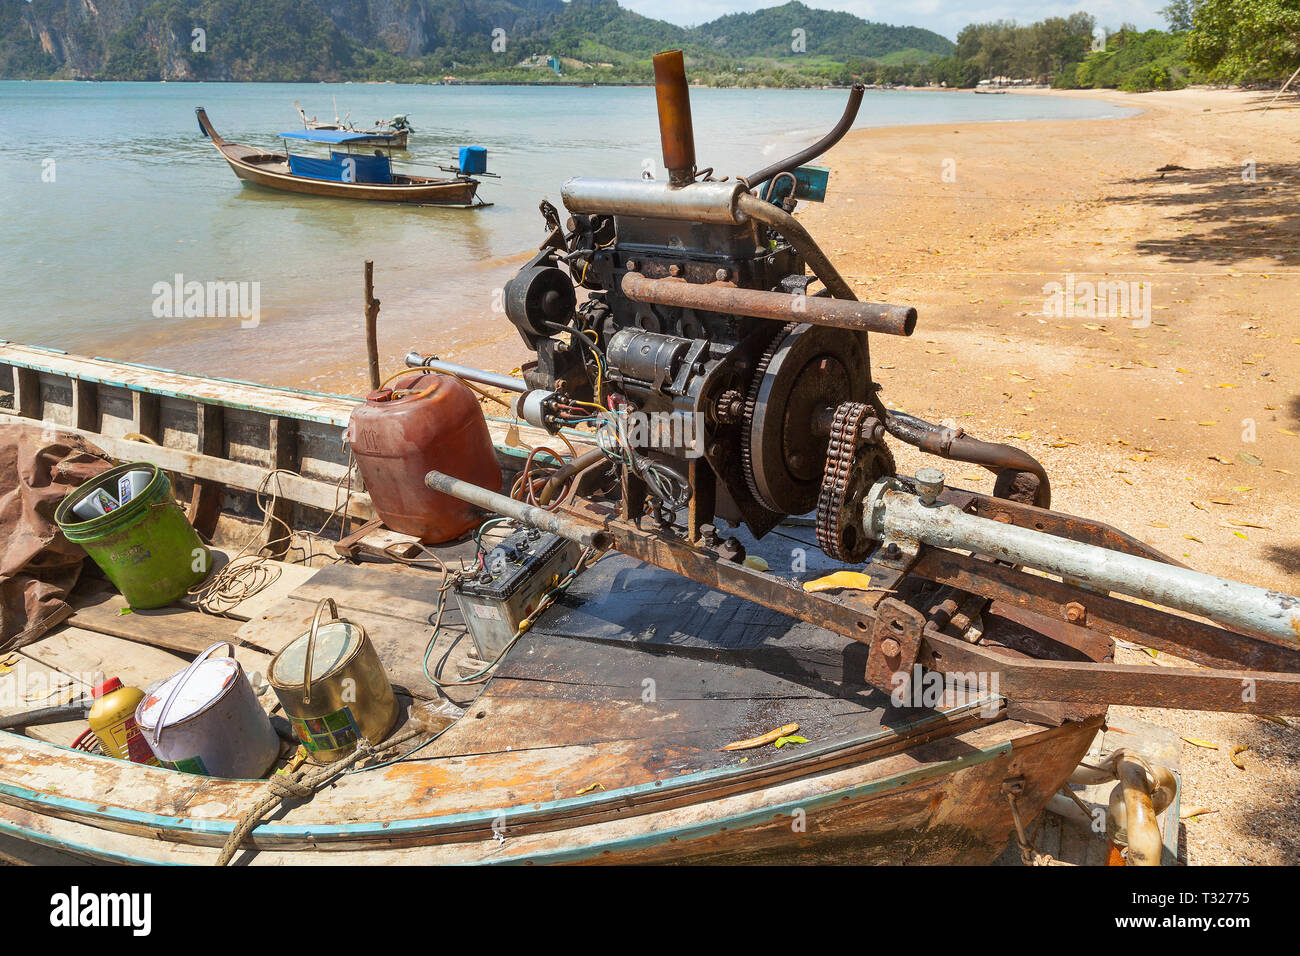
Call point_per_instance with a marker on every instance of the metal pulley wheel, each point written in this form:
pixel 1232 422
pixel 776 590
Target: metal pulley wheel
pixel 806 371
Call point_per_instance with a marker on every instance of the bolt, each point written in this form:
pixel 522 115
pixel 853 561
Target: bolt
pixel 733 550
pixel 889 647
pixel 929 485
pixel 631 265
pixel 1075 612
pixel 722 275
pixel 674 270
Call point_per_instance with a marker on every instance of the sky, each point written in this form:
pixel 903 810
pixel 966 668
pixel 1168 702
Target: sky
pixel 941 16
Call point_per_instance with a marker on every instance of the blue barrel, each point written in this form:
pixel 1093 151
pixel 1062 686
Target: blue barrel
pixel 473 159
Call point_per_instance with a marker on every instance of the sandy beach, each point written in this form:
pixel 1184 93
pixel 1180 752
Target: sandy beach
pixel 1184 432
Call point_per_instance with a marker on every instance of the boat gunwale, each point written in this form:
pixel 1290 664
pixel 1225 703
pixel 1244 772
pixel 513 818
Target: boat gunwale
pixel 621 799
pixel 647 838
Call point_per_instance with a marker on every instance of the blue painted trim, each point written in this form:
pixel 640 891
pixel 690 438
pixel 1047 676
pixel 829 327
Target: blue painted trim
pixel 69 846
pixel 416 826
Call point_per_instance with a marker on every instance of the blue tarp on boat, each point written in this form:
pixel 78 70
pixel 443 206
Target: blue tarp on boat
pixel 328 135
pixel 342 168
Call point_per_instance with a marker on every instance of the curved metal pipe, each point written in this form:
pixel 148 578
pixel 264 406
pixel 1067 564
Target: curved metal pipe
pixel 816 149
pixel 955 445
pixel 569 469
pixel 794 233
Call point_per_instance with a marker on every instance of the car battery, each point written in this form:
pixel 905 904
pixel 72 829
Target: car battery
pixel 516 575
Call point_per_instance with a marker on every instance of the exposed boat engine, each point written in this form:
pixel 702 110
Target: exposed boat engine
pixel 722 381
pixel 688 303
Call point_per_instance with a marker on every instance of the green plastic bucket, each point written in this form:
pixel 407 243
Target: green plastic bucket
pixel 147 547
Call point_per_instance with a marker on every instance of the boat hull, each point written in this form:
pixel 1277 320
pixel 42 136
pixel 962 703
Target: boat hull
pixel 448 193
pixel 936 803
pixel 516 787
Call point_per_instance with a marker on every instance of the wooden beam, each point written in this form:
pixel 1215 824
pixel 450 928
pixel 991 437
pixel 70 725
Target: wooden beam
pixel 85 405
pixel 144 414
pixel 236 474
pixel 284 455
pixel 27 392
pixel 207 496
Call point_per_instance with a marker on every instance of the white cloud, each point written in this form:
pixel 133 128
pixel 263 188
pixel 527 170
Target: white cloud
pixel 942 16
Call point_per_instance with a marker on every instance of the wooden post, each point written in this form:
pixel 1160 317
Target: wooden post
pixel 1283 90
pixel 372 314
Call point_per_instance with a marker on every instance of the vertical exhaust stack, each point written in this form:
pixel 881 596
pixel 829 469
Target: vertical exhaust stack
pixel 675 130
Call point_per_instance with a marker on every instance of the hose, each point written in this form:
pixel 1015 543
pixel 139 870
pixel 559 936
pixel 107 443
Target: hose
pixel 568 470
pixel 952 443
pixel 76 710
pixel 794 233
pixel 816 149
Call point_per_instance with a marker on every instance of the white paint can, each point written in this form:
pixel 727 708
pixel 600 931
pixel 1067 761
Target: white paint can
pixel 206 720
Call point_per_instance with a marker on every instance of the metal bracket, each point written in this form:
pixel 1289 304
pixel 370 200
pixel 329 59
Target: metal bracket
pixel 895 642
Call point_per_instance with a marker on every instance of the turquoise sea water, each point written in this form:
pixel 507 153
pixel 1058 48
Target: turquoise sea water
pixel 107 189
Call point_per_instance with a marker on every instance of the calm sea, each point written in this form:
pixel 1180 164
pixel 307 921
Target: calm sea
pixel 108 189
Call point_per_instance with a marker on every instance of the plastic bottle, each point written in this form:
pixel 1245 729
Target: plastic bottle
pixel 112 720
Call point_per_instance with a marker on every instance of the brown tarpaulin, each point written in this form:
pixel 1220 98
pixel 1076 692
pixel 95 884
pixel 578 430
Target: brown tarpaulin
pixel 38 565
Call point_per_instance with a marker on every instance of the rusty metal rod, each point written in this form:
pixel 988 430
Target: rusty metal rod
pixel 496 380
pixel 534 517
pixel 890 513
pixel 676 133
pixel 726 298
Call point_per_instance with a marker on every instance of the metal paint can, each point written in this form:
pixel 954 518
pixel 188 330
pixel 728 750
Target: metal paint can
pixel 333 687
pixel 206 720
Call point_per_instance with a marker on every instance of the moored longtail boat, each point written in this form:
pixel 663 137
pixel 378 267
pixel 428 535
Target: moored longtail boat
pixel 392 133
pixel 367 174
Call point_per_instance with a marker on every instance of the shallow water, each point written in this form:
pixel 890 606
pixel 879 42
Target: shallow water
pixel 109 189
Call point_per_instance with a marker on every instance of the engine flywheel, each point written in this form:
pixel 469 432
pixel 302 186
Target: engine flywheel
pixel 807 370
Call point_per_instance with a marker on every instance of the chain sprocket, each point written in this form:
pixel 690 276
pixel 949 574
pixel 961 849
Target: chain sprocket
pixel 747 449
pixel 852 467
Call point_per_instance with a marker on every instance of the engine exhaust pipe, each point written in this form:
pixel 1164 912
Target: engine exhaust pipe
pixel 676 133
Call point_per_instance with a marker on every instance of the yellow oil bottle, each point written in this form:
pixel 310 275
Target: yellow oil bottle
pixel 112 720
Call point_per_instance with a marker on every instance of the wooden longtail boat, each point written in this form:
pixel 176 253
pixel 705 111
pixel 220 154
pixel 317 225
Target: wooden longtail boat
pixel 342 176
pixel 392 133
pixel 598 739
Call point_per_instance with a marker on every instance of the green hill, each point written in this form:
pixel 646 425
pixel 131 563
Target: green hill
pixel 826 33
pixel 421 39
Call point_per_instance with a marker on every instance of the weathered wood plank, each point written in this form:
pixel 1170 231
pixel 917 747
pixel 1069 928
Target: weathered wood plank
pixel 317 494
pixel 177 629
pixel 27 393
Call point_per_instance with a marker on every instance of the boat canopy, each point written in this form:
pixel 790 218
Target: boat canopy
pixel 334 136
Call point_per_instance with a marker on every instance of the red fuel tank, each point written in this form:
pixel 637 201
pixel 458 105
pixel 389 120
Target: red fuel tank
pixel 425 421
